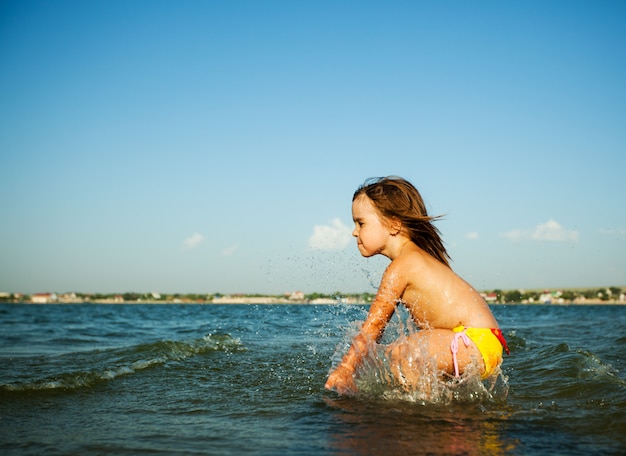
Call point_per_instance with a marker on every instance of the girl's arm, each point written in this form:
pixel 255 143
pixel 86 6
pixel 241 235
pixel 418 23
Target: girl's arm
pixel 381 311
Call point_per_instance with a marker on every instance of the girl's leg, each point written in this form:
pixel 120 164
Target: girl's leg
pixel 428 349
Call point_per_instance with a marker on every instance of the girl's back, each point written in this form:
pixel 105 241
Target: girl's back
pixel 435 296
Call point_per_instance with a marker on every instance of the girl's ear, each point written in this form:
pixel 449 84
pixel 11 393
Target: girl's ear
pixel 395 225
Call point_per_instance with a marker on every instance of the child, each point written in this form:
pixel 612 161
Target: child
pixel 391 219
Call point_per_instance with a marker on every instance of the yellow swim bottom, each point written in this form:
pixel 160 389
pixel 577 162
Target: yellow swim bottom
pixel 489 341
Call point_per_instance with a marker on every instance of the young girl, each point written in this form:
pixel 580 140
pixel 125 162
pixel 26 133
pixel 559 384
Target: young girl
pixel 457 327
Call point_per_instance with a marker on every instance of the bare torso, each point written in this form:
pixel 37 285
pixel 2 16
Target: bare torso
pixel 435 295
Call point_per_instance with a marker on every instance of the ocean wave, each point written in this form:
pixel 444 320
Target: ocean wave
pixel 58 373
pixel 565 362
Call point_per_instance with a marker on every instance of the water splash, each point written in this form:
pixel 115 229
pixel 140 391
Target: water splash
pixel 376 377
pixel 370 279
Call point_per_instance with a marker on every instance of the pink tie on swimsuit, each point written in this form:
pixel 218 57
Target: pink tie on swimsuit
pixel 454 348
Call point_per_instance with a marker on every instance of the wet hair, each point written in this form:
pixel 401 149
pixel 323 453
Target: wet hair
pixel 396 198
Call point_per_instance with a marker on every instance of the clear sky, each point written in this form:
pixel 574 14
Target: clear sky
pixel 214 146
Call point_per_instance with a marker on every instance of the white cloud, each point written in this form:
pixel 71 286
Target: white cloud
pixel 617 232
pixel 334 236
pixel 192 241
pixel 472 235
pixel 229 251
pixel 551 231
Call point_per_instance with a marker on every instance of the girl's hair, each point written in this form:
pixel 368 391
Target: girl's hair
pixel 397 198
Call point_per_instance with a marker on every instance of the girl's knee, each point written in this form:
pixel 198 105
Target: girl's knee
pixel 395 353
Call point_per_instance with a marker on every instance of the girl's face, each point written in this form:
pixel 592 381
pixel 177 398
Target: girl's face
pixel 370 229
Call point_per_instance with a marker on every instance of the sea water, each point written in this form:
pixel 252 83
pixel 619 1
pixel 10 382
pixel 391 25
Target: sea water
pixel 248 379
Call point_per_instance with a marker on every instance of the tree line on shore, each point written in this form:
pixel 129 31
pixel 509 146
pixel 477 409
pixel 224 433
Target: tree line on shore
pixel 563 295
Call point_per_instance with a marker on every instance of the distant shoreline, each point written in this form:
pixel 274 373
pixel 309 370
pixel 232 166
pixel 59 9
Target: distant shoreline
pixel 286 302
pixel 577 296
pixel 581 296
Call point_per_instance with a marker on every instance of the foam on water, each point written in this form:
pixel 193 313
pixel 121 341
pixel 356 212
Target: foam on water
pixel 102 366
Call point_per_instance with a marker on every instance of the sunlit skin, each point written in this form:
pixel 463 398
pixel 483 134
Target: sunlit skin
pixel 437 299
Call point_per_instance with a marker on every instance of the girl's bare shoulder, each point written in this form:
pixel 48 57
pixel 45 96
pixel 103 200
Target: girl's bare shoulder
pixel 416 262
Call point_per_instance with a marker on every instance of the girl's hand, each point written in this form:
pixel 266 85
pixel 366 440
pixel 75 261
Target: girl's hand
pixel 341 380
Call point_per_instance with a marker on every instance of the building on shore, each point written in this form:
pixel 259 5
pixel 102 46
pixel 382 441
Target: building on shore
pixel 44 298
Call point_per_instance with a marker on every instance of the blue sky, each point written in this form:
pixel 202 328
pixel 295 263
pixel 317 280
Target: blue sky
pixel 204 146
